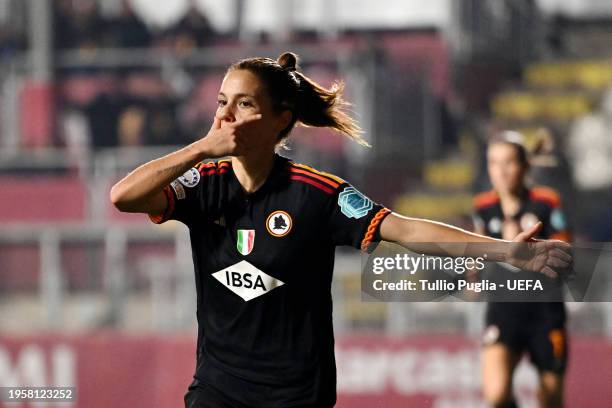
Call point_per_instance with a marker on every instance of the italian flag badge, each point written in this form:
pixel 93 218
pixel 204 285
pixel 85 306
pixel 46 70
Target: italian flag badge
pixel 245 241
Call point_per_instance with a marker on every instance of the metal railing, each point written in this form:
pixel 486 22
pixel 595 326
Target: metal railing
pixel 167 302
pixel 52 292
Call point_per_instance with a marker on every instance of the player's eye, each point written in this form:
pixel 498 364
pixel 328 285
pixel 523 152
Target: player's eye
pixel 245 104
pixel 221 103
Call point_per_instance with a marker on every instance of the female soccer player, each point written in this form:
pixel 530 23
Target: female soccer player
pixel 263 231
pixel 512 328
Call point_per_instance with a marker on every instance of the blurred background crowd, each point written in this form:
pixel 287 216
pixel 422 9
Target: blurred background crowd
pixel 90 89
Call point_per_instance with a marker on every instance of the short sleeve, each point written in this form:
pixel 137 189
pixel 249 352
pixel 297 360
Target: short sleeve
pixel 353 218
pixel 553 218
pixel 185 198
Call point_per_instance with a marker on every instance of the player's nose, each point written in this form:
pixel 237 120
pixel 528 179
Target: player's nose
pixel 226 114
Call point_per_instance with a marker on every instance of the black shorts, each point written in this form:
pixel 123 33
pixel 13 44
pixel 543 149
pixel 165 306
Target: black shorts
pixel 202 395
pixel 535 328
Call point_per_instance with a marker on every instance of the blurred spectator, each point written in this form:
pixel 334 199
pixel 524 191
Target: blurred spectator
pixel 77 24
pixel 126 30
pixel 590 148
pixel 144 110
pixel 103 113
pixel 13 28
pixel 11 41
pixel 131 126
pixel 162 126
pixel 191 32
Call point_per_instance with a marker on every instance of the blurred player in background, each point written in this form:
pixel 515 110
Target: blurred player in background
pixel 512 328
pixel 263 235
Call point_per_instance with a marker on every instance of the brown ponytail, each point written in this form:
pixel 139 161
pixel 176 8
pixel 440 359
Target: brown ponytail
pixel 310 103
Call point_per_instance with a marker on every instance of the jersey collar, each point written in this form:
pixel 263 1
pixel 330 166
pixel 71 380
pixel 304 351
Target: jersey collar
pixel 278 167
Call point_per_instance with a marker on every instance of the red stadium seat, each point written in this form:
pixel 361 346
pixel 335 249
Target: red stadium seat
pixel 42 199
pixel 36 114
pixel 20 266
pixel 146 86
pixel 80 90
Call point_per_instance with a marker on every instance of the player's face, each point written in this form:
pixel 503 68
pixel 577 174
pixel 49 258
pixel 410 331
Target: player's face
pixel 243 94
pixel 505 169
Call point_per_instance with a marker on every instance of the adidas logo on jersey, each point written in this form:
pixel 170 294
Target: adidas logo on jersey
pixel 246 280
pixel 220 221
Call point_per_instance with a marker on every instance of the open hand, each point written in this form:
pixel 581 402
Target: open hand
pixel 230 140
pixel 542 256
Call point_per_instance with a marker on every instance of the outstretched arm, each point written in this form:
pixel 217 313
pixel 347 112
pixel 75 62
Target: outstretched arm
pixel 429 237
